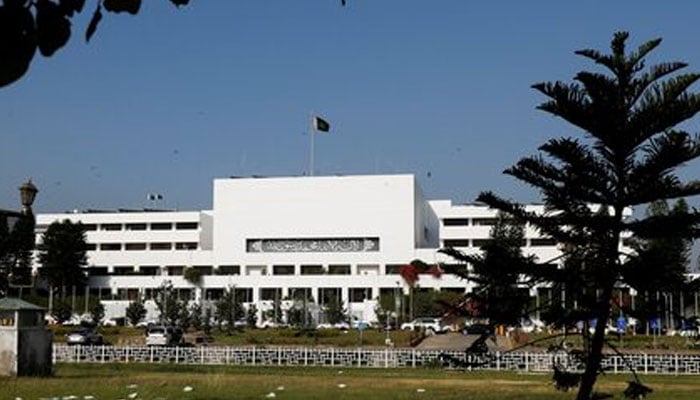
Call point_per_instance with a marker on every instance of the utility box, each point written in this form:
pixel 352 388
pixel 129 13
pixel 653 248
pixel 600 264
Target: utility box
pixel 25 343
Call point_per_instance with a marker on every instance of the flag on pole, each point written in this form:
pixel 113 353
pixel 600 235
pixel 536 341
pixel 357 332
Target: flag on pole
pixel 321 125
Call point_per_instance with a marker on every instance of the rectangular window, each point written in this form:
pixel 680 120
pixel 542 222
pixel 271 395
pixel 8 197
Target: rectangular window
pixel 455 222
pixel 175 270
pixel 312 270
pixel 214 293
pixel 149 270
pixel 89 227
pixel 98 271
pixel 300 293
pixel 271 294
pixel 483 221
pixel 456 243
pixel 327 295
pixel 184 226
pixel 110 246
pixel 392 269
pixel 161 246
pixel 161 226
pixel 282 270
pixel 338 270
pixel 186 246
pixel 543 242
pixel 243 295
pixel 135 227
pixel 124 270
pixel 111 227
pixel 185 294
pixel 358 295
pixel 204 269
pixel 90 246
pixel 480 242
pixel 228 270
pixel 135 246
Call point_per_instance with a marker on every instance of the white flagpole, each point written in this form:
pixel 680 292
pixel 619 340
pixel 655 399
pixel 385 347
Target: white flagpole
pixel 312 132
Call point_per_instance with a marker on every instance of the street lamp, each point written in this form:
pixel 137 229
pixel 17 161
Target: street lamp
pixel 20 229
pixel 27 193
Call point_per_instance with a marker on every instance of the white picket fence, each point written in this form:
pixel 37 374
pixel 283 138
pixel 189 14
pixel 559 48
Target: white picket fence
pixel 679 364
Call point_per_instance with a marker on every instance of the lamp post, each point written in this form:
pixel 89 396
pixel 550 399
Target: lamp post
pixel 20 237
pixel 27 193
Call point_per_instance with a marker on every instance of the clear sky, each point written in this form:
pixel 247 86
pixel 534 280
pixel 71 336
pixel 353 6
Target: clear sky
pixel 165 101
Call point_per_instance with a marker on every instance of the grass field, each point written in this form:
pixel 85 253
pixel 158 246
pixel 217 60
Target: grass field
pixel 173 382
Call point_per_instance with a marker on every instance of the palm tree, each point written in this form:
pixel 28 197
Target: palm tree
pixel 630 149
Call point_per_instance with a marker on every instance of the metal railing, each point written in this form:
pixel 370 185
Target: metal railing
pixel 641 363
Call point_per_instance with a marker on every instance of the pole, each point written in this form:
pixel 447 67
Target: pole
pixel 87 297
pixel 311 151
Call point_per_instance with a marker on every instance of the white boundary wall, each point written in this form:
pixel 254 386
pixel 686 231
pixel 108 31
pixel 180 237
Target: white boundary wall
pixel 676 364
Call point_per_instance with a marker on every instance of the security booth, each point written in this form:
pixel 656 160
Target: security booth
pixel 25 343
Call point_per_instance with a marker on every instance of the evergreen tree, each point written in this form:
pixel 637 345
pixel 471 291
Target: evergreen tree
pixel 63 255
pixel 97 312
pixel 16 244
pixel 496 271
pixel 334 311
pixel 630 150
pixel 135 312
pixel 251 316
pixel 168 304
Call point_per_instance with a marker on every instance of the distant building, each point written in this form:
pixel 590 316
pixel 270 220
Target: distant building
pixel 342 236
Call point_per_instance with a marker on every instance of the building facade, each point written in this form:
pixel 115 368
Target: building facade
pixel 269 238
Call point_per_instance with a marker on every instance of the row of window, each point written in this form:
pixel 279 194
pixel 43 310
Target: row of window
pixel 469 221
pixel 142 246
pixel 541 242
pixel 225 270
pixel 178 270
pixel 245 294
pixel 136 226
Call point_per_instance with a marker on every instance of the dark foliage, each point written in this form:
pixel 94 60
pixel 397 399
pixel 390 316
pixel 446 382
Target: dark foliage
pixel 46 25
pixel 629 116
pixel 16 244
pixel 63 255
pixel 135 312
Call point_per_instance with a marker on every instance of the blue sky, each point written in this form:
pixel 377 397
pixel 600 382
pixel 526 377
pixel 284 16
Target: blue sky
pixel 165 101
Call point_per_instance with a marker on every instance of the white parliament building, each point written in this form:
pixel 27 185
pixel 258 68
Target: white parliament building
pixel 343 236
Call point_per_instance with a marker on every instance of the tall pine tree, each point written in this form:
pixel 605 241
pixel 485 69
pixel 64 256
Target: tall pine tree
pixel 631 146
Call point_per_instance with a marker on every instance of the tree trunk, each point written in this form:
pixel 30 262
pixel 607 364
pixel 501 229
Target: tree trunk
pixel 590 375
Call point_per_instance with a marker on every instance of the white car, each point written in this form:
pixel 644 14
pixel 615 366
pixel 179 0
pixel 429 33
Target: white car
pixel 160 335
pixel 343 326
pixel 430 325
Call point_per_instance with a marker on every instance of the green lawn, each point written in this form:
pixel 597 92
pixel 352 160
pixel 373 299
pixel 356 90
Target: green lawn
pixel 170 382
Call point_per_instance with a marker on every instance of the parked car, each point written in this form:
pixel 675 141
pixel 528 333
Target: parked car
pixel 270 325
pixel 477 329
pixel 84 337
pixel 431 325
pixel 343 326
pixel 161 335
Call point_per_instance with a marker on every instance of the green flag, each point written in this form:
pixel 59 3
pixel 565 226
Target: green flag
pixel 321 125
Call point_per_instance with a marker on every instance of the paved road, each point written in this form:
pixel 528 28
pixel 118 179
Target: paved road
pixel 457 341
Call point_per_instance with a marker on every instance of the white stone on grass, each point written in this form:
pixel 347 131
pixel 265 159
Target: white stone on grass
pixel 420 390
pixel 133 395
pixel 280 388
pixel 132 386
pixel 342 385
pixel 187 389
pixel 270 395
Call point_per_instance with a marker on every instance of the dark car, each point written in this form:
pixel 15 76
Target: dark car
pixel 84 337
pixel 477 329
